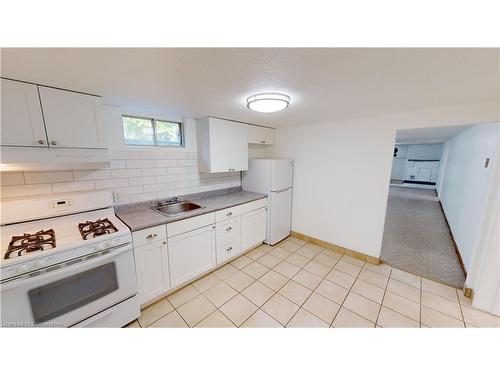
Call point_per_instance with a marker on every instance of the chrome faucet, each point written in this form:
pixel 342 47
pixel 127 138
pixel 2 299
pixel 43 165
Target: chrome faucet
pixel 166 202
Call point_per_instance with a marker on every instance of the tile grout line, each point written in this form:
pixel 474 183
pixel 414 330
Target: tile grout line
pixel 383 297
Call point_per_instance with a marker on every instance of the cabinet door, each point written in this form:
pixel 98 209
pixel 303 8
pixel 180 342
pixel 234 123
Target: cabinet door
pixel 260 135
pixel 221 138
pixel 191 254
pixel 253 228
pixel 239 148
pixel 72 119
pixel 22 120
pixel 152 270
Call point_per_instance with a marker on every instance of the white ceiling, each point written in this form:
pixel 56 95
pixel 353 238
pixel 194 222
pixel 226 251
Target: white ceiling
pixel 429 135
pixel 325 84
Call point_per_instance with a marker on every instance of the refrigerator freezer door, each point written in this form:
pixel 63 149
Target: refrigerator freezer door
pixel 282 174
pixel 280 216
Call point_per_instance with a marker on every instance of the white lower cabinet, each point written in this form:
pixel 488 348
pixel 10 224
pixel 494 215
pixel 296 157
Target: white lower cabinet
pixel 175 254
pixel 152 270
pixel 253 228
pixel 191 254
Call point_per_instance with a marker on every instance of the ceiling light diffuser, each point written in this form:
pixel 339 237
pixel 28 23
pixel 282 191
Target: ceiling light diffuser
pixel 267 103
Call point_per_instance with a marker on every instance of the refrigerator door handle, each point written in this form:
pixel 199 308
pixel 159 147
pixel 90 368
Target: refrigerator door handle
pixel 280 191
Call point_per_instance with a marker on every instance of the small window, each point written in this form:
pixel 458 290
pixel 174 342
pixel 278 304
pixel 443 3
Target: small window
pixel 139 131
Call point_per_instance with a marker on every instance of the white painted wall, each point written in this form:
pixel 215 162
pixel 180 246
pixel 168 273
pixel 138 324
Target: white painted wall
pixel 466 184
pixel 342 171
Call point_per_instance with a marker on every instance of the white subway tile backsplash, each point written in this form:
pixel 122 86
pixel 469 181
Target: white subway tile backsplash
pixel 121 173
pixel 64 187
pixel 154 171
pixel 47 177
pixel 134 174
pixel 111 183
pixel 129 190
pixel 178 170
pixel 140 163
pixel 155 187
pixel 187 163
pixel 25 190
pixel 141 180
pixel 165 163
pixel 118 164
pixel 178 155
pixel 92 175
pixel 167 178
pixel 12 178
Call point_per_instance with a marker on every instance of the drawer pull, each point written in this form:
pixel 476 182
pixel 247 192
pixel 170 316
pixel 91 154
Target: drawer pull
pixel 228 229
pixel 229 248
pixel 151 236
pixel 229 214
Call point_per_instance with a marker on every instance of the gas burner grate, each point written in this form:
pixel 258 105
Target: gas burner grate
pixel 97 228
pixel 27 243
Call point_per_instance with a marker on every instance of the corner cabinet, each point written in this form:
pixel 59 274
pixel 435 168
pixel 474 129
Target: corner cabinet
pixel 22 119
pixel 261 135
pixel 222 145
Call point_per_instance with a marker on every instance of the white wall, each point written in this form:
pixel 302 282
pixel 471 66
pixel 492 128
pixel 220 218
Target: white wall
pixel 135 174
pixel 466 183
pixel 342 171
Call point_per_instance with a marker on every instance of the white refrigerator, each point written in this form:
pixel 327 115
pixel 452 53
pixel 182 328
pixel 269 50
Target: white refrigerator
pixel 273 177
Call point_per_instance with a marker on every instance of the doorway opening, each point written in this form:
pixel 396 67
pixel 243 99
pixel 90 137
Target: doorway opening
pixel 417 236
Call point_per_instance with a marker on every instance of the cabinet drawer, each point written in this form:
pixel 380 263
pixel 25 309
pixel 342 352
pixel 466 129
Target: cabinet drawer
pixel 227 248
pixel 186 225
pixel 149 235
pixel 231 212
pixel 228 228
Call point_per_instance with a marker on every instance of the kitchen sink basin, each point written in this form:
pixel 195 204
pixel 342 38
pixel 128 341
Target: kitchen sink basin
pixel 177 208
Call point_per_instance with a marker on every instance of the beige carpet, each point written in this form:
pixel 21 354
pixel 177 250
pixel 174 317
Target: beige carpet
pixel 417 238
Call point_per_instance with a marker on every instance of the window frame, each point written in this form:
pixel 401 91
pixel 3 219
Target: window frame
pixel 155 133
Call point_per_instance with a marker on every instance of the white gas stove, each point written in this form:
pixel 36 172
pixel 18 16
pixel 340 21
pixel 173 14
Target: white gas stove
pixel 66 261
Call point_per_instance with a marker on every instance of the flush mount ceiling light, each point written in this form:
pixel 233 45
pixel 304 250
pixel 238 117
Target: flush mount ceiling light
pixel 266 103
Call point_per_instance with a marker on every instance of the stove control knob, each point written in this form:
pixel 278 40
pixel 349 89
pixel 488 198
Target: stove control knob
pixel 100 246
pixel 23 268
pixel 40 263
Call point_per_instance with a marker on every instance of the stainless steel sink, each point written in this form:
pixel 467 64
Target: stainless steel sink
pixel 177 208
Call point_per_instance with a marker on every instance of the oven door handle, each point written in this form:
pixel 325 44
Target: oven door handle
pixel 26 279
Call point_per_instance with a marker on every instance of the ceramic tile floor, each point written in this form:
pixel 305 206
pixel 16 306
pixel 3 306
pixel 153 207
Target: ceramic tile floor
pixel 299 284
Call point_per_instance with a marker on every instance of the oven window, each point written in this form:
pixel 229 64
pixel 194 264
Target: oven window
pixel 63 296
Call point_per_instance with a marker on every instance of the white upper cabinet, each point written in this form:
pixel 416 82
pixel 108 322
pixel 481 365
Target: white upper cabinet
pixel 22 120
pixel 222 145
pixel 72 119
pixel 261 135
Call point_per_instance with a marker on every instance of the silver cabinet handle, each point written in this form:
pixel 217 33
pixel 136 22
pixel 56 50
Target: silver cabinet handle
pixel 151 236
pixel 164 242
pixel 262 141
pixel 229 248
pixel 229 214
pixel 228 229
pixel 41 142
pixel 53 143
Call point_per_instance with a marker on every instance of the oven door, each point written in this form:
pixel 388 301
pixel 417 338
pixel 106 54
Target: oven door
pixel 75 291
